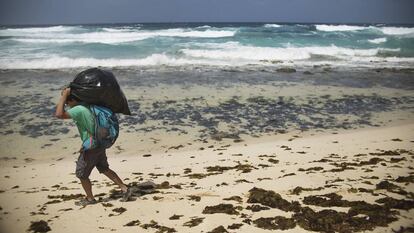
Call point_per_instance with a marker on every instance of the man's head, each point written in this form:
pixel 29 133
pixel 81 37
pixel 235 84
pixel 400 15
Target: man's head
pixel 72 100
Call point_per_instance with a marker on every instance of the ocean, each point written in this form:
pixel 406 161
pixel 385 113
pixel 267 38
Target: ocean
pixel 253 45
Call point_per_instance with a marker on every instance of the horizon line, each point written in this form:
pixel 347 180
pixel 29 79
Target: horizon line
pixel 206 22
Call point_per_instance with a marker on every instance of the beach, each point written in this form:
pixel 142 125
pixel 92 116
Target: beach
pixel 218 149
pixel 235 127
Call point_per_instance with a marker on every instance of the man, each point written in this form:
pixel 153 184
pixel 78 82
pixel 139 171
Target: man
pixel 90 158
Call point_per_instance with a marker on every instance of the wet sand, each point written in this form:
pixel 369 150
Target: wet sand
pixel 245 150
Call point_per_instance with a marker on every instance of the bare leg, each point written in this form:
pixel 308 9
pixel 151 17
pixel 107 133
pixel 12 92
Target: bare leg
pixel 87 186
pixel 115 178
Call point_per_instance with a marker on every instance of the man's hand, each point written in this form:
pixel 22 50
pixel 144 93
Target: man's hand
pixel 60 107
pixel 65 92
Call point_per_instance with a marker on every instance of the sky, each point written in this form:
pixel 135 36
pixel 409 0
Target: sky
pixel 23 12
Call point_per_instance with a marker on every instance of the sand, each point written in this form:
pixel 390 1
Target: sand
pixel 225 150
pixel 267 165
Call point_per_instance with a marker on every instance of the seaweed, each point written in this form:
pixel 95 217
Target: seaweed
pixel 160 229
pixel 133 223
pixel 275 223
pixel 175 217
pixel 219 229
pixel 221 208
pixel 39 226
pixel 195 221
pixel 257 208
pixel 234 198
pixel 393 203
pixel 271 199
pixel 235 226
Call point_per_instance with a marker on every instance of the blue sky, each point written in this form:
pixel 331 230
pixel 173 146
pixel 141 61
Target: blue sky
pixel 123 11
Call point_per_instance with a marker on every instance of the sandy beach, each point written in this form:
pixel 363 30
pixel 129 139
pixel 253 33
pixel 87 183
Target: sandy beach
pixel 189 182
pixel 233 154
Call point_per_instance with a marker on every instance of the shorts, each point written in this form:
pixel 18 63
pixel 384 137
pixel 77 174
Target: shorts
pixel 89 159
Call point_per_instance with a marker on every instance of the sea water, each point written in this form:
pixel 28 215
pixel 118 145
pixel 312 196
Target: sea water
pixel 206 44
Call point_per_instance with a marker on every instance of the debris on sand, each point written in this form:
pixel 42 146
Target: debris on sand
pixel 39 226
pixel 275 223
pixel 220 135
pixel 393 203
pixel 219 229
pixel 175 217
pixel 390 187
pixel 357 219
pixel 160 229
pixel 271 199
pixel 274 161
pixel 244 168
pixel 66 197
pixel 234 198
pixel 405 179
pixel 327 200
pixel 221 208
pixel 311 169
pixel 200 175
pixel 195 221
pixel 257 208
pixel 298 190
pixel 194 198
pixel 119 210
pixel 235 226
pixel 133 223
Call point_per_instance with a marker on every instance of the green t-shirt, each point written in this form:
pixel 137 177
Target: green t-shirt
pixel 84 121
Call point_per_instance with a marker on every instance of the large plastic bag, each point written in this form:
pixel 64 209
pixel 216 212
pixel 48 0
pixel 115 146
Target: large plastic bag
pixel 100 87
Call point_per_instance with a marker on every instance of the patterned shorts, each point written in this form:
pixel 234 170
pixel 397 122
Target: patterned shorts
pixel 89 159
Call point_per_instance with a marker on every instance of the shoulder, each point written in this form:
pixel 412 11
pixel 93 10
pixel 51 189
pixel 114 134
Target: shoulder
pixel 78 110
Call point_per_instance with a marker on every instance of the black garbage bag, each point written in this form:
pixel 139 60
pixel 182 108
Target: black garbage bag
pixel 100 87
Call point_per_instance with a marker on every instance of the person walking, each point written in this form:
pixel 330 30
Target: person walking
pixel 90 158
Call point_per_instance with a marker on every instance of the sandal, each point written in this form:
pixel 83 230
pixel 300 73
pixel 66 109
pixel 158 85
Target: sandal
pixel 85 202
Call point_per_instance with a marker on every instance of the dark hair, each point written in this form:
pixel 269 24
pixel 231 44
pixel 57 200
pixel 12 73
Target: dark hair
pixel 71 97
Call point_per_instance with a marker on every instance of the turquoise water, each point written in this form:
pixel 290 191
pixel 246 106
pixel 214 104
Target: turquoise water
pixel 257 45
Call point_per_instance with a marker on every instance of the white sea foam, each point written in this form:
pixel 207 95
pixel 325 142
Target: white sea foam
pixel 339 28
pixel 272 25
pixel 115 36
pixel 123 29
pixel 56 62
pixel 397 30
pixel 236 51
pixel 38 29
pixel 378 40
pixel 203 27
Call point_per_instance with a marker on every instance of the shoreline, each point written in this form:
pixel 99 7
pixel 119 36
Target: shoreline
pixel 192 107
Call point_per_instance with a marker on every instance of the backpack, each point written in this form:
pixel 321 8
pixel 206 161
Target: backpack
pixel 106 126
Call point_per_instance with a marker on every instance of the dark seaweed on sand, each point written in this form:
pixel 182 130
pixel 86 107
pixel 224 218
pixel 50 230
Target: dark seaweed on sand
pixel 39 226
pixel 361 215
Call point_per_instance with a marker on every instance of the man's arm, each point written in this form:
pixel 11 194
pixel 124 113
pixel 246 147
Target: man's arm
pixel 60 107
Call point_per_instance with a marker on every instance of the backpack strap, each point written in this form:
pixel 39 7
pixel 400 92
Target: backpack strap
pixel 90 108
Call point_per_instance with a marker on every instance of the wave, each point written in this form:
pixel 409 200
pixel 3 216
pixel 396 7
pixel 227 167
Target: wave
pixel 338 28
pixel 57 62
pixel 271 25
pixel 378 40
pixel 203 27
pixel 123 29
pixel 385 30
pixel 238 52
pixel 31 30
pixel 115 36
pixel 397 30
